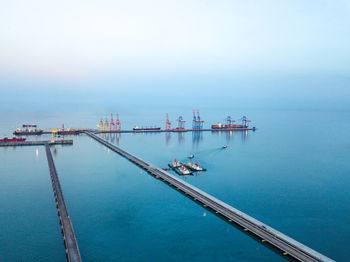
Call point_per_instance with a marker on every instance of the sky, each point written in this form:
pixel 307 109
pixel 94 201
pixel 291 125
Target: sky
pixel 257 54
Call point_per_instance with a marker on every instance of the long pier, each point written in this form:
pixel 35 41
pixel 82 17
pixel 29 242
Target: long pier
pixel 38 143
pixel 175 130
pixel 72 250
pixel 288 247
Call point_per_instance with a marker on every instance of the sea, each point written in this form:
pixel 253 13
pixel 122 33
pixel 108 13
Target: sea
pixel 292 173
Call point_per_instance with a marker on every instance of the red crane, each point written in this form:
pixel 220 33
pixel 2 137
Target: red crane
pixel 118 125
pixel 167 123
pixel 106 125
pixel 112 125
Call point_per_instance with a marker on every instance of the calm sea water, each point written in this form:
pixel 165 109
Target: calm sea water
pixel 293 174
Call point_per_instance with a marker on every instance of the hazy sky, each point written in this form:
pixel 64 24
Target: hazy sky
pixel 262 51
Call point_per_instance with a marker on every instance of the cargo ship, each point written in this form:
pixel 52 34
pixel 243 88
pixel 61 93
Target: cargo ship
pixel 28 130
pixel 13 139
pixel 137 128
pixel 230 125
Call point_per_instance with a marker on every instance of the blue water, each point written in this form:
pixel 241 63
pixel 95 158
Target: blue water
pixel 292 174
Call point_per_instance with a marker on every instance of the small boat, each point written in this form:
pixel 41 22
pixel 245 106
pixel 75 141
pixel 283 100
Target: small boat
pixel 182 170
pixel 175 164
pixel 13 139
pixel 191 156
pixel 224 146
pixel 195 167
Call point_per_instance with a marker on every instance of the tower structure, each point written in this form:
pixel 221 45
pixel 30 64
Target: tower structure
pixel 245 121
pixel 112 124
pixel 194 121
pixel 101 125
pixel 167 123
pixel 106 125
pixel 199 121
pixel 229 121
pixel 181 123
pixel 118 125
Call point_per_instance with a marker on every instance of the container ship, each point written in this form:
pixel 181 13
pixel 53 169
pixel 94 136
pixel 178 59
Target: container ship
pixel 28 130
pixel 136 128
pixel 13 139
pixel 230 125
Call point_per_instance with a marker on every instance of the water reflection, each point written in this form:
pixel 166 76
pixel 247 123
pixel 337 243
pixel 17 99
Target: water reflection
pixel 167 137
pixel 115 137
pixel 229 135
pixel 244 135
pixel 197 136
pixel 181 137
pixel 112 138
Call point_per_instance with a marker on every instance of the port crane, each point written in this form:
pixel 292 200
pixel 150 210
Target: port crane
pixel 118 125
pixel 181 122
pixel 106 128
pixel 167 123
pixel 101 125
pixel 245 121
pixel 197 122
pixel 112 124
pixel 229 120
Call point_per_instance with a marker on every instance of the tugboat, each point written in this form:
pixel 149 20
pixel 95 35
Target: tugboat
pixel 13 139
pixel 195 167
pixel 182 171
pixel 175 164
pixel 224 146
pixel 191 156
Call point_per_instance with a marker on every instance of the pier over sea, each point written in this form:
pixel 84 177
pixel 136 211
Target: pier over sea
pixel 287 247
pixel 70 242
pixel 72 250
pixel 38 143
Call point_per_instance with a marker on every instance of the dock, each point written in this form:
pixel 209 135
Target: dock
pixel 70 242
pixel 38 143
pixel 175 130
pixel 96 131
pixel 288 247
pixel 72 250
